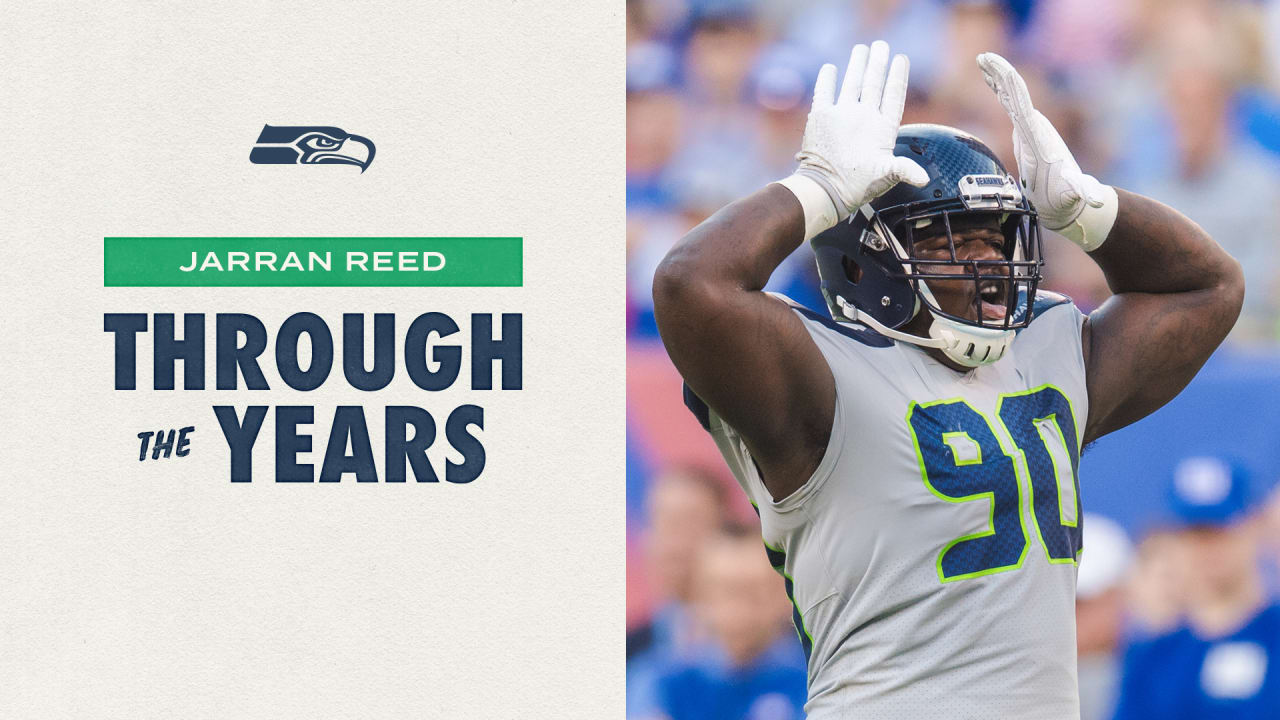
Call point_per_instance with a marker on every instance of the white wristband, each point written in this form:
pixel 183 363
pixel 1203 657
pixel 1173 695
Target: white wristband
pixel 1093 224
pixel 820 212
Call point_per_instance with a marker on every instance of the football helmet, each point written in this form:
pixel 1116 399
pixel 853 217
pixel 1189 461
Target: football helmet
pixel 870 270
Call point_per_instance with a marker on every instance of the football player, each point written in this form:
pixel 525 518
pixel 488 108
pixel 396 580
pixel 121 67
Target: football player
pixel 913 457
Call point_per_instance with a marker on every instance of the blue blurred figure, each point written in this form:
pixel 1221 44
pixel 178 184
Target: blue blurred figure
pixel 1224 660
pixel 654 116
pixel 1100 612
pixel 829 28
pixel 1185 144
pixel 758 671
pixel 686 508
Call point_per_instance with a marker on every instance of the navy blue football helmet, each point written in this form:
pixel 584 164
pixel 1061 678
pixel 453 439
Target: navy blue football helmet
pixel 867 262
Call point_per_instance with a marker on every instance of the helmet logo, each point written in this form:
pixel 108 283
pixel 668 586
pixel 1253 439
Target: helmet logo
pixel 990 192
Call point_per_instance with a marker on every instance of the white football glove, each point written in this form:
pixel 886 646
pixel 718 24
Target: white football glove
pixel 847 151
pixel 1068 202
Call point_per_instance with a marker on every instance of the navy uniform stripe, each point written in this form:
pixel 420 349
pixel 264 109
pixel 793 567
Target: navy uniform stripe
pixel 698 408
pixel 778 559
pixel 1044 300
pixel 806 642
pixel 866 336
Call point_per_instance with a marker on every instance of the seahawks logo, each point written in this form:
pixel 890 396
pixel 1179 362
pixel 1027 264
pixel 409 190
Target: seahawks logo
pixel 311 145
pixel 990 192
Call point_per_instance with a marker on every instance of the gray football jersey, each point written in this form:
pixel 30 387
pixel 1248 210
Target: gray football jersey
pixel 931 558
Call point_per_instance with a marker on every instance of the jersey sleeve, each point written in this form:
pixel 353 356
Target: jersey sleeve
pixel 1055 316
pixel 833 341
pixel 734 448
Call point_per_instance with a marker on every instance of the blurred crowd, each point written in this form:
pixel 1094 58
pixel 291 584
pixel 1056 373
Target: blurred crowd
pixel 1174 99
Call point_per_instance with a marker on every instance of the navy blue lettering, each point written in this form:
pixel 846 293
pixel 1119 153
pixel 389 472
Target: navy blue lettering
pixel 126 327
pixel 455 430
pixel 287 351
pixel 231 356
pixel 289 443
pixel 348 422
pixel 400 446
pixel 384 351
pixel 448 357
pixel 240 437
pixel 168 350
pixel 485 349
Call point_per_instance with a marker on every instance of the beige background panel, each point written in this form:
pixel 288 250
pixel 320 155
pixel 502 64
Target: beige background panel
pixel 161 590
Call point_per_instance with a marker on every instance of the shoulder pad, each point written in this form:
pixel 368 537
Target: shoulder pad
pixel 1043 301
pixel 864 335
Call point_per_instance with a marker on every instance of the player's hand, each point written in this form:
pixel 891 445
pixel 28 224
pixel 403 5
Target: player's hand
pixel 848 141
pixel 1067 200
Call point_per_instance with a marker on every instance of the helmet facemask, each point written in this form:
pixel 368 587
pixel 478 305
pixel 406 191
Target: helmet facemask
pixel 875 273
pixel 1006 281
pixel 1009 281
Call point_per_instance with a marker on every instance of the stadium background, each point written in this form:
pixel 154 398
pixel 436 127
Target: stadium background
pixel 1175 99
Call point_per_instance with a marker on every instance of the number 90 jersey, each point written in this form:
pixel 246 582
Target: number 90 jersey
pixel 931 558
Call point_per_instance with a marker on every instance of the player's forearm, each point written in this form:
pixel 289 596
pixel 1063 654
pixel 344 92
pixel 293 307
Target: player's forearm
pixel 1153 248
pixel 736 249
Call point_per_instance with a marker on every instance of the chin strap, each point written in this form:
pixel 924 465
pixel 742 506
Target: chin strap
pixel 856 315
pixel 966 345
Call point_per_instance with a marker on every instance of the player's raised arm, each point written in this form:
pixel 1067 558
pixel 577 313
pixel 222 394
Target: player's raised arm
pixel 1177 292
pixel 746 354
